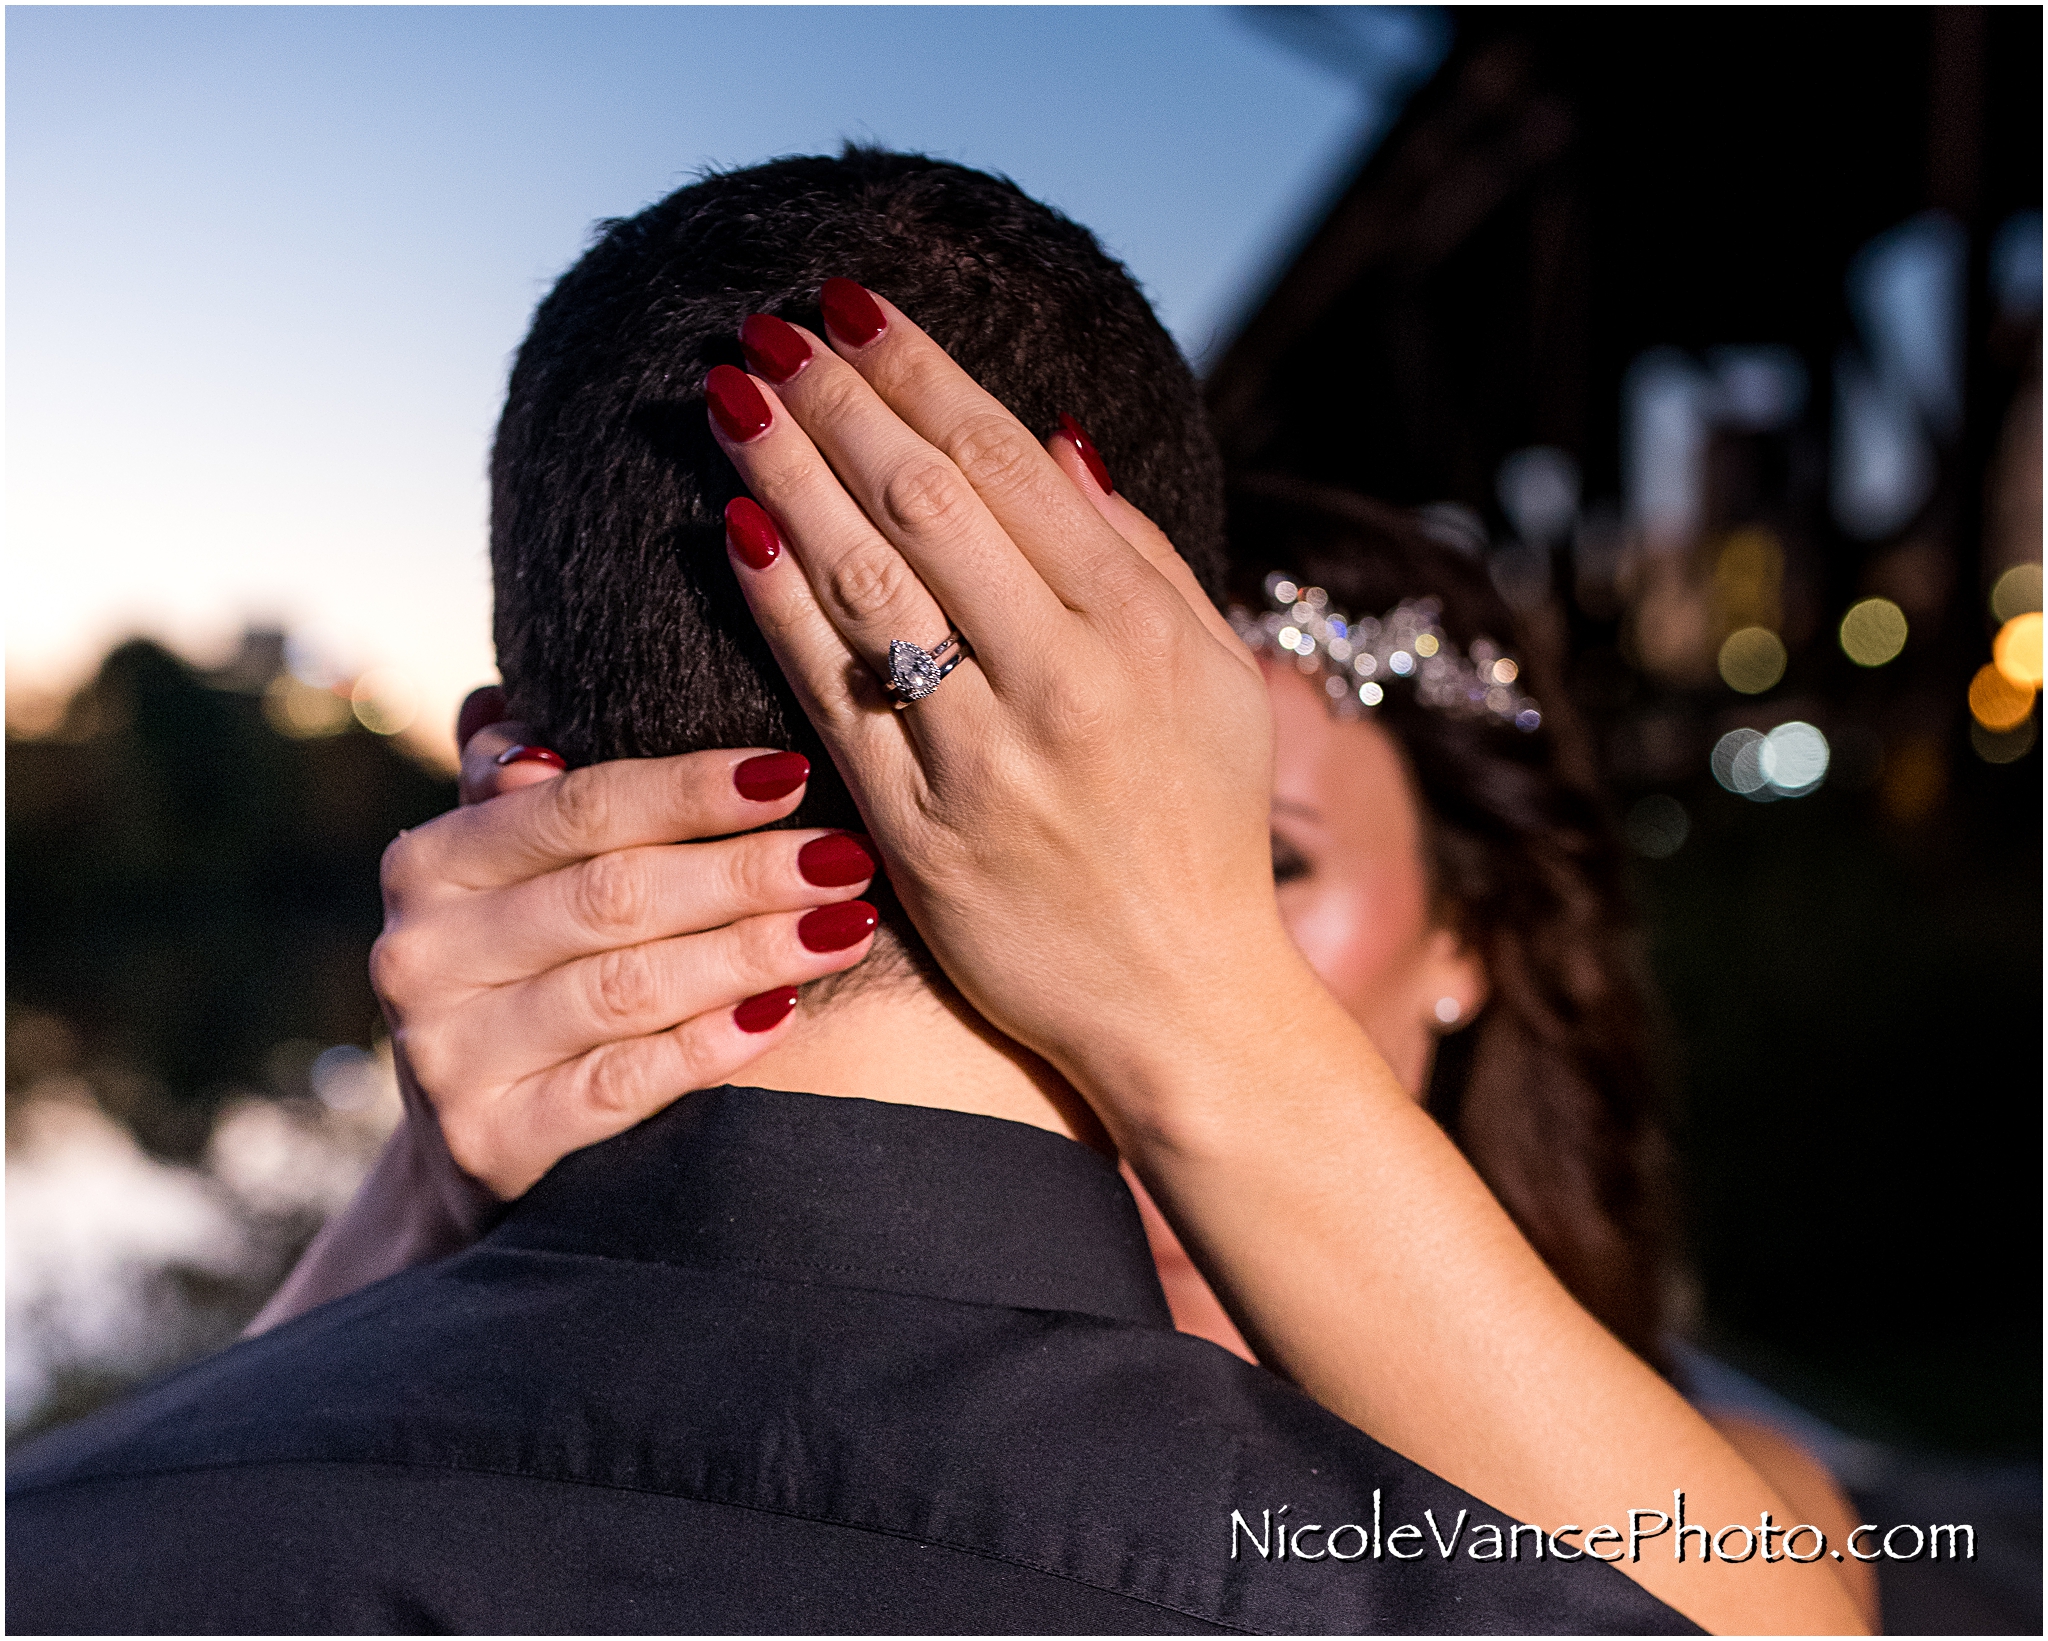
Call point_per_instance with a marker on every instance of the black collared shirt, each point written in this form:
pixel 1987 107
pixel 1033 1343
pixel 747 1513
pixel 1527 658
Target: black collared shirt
pixel 768 1362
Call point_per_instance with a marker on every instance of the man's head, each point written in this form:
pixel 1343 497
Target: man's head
pixel 620 628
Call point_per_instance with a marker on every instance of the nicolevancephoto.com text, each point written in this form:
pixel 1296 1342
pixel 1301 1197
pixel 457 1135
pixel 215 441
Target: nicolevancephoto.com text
pixel 1274 1538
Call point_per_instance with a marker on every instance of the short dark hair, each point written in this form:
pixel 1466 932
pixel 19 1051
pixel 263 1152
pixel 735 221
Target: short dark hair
pixel 620 629
pixel 1553 1092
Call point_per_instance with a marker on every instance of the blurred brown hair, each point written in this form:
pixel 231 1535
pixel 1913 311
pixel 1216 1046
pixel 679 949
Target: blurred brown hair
pixel 1551 1092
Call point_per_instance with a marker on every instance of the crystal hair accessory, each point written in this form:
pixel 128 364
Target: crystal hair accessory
pixel 1359 660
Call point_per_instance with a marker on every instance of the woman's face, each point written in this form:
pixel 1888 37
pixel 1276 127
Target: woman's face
pixel 1351 868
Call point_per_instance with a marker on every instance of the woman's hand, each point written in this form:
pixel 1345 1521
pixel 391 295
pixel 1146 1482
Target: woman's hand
pixel 1077 823
pixel 1103 687
pixel 557 966
pixel 561 959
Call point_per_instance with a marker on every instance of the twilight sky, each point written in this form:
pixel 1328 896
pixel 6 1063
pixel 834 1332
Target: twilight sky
pixel 266 266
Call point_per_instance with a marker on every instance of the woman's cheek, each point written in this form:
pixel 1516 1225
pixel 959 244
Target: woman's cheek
pixel 1348 940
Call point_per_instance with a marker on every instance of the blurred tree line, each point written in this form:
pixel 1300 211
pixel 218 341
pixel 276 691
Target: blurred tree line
pixel 189 886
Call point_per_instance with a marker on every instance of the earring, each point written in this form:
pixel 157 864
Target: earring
pixel 1448 1010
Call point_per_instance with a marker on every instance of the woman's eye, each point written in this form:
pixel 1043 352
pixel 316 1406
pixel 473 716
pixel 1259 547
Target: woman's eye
pixel 1289 862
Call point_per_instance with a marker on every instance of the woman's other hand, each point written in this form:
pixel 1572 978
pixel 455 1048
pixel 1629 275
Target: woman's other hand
pixel 563 956
pixel 567 953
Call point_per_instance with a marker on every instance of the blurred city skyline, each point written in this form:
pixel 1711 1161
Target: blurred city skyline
pixel 268 265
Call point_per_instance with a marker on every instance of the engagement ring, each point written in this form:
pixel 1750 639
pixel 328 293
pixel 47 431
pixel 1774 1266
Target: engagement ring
pixel 914 673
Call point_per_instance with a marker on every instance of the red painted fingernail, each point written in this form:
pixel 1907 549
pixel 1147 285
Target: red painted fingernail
pixel 766 1011
pixel 751 533
pixel 834 861
pixel 736 404
pixel 772 775
pixel 855 317
pixel 529 755
pixel 834 928
pixel 776 350
pixel 1098 469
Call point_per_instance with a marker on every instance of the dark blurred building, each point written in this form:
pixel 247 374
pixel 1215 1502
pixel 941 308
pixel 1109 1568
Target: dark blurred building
pixel 1706 327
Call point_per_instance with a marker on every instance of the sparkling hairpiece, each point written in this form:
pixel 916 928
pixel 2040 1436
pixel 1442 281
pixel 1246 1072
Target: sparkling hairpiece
pixel 1359 659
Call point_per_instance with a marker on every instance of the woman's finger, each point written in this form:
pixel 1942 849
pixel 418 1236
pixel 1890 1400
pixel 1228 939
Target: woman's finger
pixel 484 737
pixel 840 692
pixel 593 811
pixel 633 991
pixel 481 707
pixel 1086 567
pixel 511 1143
pixel 864 586
pixel 911 500
pixel 631 896
pixel 840 681
pixel 1080 463
pixel 503 757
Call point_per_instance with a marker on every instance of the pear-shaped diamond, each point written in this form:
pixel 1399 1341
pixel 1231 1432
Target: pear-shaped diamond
pixel 913 674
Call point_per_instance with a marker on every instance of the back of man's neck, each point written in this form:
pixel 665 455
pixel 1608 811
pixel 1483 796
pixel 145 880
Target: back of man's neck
pixel 902 1042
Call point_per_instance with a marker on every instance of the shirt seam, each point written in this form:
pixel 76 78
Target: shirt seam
pixel 767 1270
pixel 31 1488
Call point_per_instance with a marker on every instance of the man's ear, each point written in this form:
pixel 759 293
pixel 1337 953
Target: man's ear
pixel 1454 984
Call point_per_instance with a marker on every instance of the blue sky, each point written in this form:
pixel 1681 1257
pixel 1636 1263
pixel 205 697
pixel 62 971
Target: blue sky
pixel 266 266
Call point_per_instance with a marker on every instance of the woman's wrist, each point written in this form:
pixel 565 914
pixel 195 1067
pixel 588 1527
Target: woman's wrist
pixel 1187 1069
pixel 410 1210
pixel 440 1209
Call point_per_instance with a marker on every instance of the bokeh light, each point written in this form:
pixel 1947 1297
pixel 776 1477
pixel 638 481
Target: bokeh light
pixel 304 711
pixel 2016 651
pixel 2016 592
pixel 2003 747
pixel 1749 578
pixel 1657 826
pixel 1752 660
pixel 1997 702
pixel 1873 632
pixel 1736 763
pixel 385 701
pixel 1789 762
pixel 1793 758
pixel 1539 490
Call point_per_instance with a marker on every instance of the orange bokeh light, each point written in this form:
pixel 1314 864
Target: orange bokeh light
pixel 1997 702
pixel 2016 651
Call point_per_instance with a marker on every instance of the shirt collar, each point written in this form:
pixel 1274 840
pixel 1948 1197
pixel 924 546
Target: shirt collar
pixel 854 1193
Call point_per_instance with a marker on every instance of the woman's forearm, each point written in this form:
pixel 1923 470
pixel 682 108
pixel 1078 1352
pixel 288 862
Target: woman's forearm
pixel 1365 1260
pixel 397 1219
pixel 1081 834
